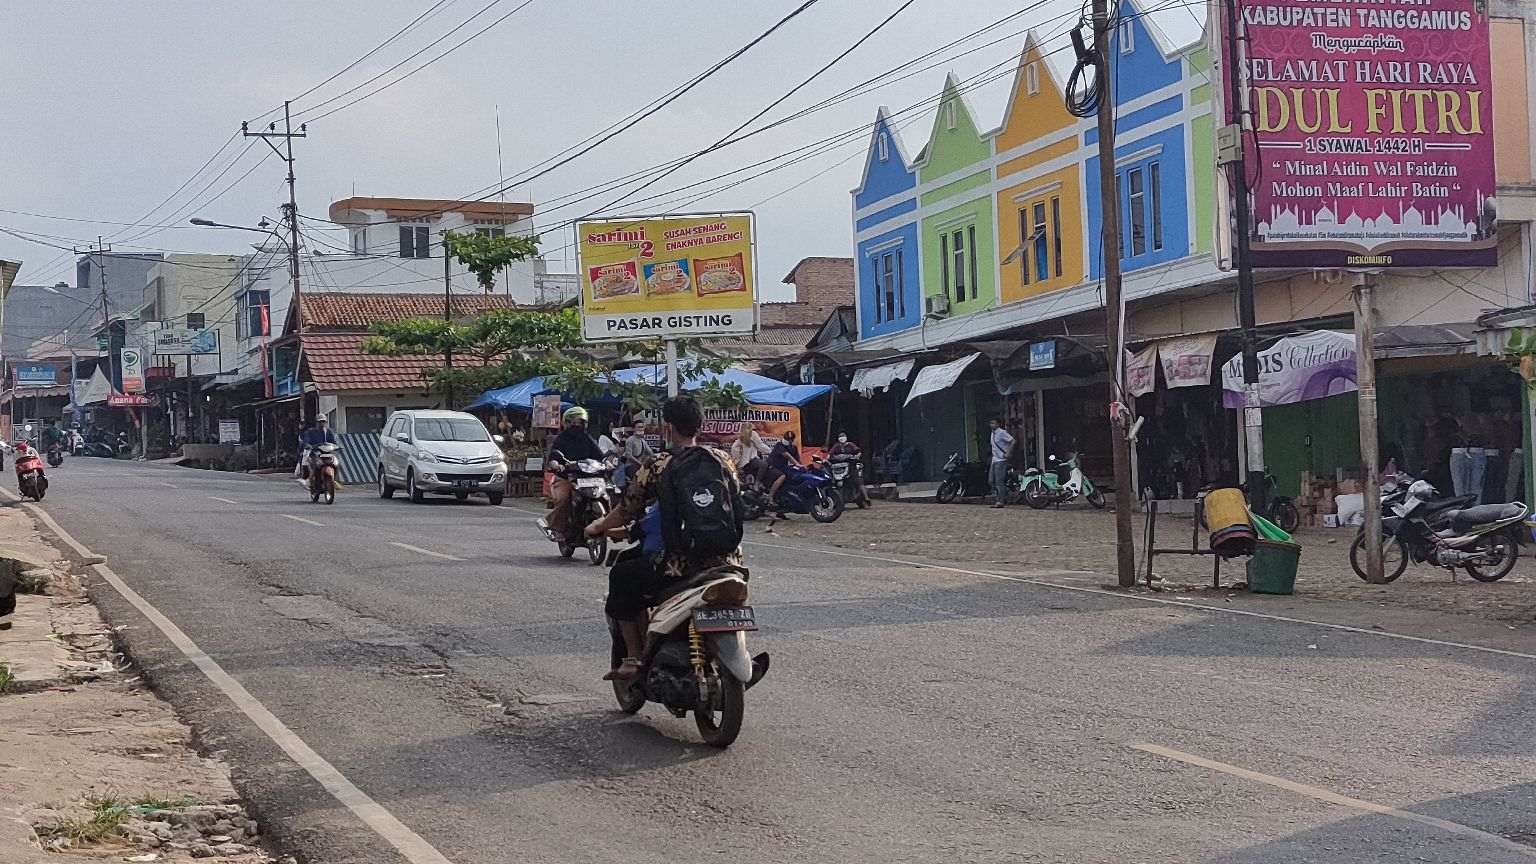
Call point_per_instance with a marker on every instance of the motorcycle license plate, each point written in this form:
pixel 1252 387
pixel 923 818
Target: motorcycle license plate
pixel 589 483
pixel 724 620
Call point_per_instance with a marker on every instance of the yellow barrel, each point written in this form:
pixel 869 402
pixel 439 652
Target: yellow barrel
pixel 1226 517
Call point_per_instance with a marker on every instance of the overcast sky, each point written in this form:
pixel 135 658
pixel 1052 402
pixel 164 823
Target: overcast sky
pixel 110 105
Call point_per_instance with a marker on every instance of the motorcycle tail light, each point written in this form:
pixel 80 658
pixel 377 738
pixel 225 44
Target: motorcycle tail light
pixel 728 593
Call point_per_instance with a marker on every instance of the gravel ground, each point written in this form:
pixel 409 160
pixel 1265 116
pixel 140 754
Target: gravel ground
pixel 1079 544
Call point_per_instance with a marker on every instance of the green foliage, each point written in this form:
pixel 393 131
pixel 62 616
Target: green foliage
pixel 105 822
pixel 513 345
pixel 485 256
pixel 7 677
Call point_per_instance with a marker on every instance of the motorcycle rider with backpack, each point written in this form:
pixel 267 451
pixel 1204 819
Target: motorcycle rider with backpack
pixel 701 524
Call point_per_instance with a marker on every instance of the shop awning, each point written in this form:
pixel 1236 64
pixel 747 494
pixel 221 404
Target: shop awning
pixel 868 379
pixel 758 389
pixel 1425 340
pixel 931 379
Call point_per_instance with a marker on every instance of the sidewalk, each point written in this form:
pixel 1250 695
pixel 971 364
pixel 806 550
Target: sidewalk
pixel 1076 545
pixel 95 766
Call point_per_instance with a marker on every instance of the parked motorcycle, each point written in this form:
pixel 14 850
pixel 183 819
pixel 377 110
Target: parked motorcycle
pixel 31 481
pixel 848 473
pixel 1044 488
pixel 55 455
pixel 1477 538
pixel 592 491
pixel 805 490
pixel 968 479
pixel 695 656
pixel 324 466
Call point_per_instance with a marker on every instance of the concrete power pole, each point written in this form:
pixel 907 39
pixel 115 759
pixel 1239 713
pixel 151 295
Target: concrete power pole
pixel 291 210
pixel 1125 548
pixel 1365 375
pixel 448 317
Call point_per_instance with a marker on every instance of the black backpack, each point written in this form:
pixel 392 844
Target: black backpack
pixel 700 506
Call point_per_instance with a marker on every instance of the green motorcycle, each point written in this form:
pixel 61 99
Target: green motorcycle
pixel 1044 488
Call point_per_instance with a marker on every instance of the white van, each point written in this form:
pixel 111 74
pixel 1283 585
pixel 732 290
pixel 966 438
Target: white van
pixel 440 453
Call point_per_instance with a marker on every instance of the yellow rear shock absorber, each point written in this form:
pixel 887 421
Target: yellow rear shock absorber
pixel 695 649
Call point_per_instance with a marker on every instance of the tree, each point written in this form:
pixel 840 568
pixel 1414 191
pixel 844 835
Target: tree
pixel 485 255
pixel 512 345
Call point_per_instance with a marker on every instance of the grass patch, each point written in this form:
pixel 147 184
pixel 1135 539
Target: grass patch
pixel 7 677
pixel 154 802
pixel 105 822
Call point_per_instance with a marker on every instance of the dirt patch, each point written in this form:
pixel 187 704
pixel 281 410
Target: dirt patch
pixel 96 767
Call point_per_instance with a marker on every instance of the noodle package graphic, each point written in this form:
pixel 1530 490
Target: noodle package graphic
pixel 667 277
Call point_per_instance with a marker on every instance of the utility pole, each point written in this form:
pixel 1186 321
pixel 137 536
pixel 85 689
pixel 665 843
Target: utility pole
pixel 100 249
pixel 1365 379
pixel 1125 549
pixel 448 317
pixel 291 210
pixel 1253 414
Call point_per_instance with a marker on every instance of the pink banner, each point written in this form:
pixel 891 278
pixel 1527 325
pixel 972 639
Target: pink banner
pixel 1372 142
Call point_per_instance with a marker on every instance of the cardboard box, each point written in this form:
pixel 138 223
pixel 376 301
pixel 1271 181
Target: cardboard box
pixel 1331 520
pixel 1348 487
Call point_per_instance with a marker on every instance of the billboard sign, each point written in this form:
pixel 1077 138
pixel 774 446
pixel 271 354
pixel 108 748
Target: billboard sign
pixel 229 431
pixel 131 361
pixel 1372 140
pixel 36 375
pixel 129 400
pixel 1296 369
pixel 667 277
pixel 184 340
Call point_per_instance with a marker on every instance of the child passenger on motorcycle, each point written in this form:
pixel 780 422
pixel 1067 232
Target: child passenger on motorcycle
pixel 637 581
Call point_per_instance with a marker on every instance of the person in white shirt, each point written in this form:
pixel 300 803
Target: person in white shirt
pixel 748 446
pixel 997 472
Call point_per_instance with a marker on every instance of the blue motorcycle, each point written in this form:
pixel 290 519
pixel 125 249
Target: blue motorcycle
pixel 805 490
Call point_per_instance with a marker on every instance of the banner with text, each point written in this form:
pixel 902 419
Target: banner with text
pixel 667 277
pixel 1296 369
pixel 1372 138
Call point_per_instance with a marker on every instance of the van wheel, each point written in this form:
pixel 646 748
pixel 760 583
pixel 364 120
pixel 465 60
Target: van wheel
pixel 417 496
pixel 385 490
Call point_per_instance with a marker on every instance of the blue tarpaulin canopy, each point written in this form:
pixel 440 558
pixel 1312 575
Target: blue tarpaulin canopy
pixel 760 390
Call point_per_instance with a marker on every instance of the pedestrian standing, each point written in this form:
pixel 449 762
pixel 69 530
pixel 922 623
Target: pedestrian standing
pixel 1002 448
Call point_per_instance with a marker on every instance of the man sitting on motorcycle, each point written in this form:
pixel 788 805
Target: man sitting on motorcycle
pixel 636 581
pixel 573 444
pixel 784 454
pixel 844 447
pixel 53 436
pixel 311 438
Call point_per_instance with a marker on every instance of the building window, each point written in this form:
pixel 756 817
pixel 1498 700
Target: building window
pixel 1143 206
pixel 890 303
pixel 957 252
pixel 1127 37
pixel 950 120
pixel 1041 240
pixel 415 241
pixel 491 232
pixel 884 147
pixel 360 241
pixel 1032 78
pixel 255 319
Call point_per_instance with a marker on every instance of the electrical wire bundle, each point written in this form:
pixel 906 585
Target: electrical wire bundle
pixel 1085 86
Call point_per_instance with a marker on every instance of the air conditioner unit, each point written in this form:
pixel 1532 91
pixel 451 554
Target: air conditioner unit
pixel 937 306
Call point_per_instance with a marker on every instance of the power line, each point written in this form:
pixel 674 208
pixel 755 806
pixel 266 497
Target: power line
pixel 520 7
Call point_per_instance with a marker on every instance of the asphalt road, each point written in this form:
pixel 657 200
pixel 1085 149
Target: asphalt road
pixel 913 713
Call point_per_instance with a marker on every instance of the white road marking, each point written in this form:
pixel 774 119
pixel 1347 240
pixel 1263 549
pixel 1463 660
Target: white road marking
pixel 408 843
pixel 1331 797
pixel 426 551
pixel 171 485
pixel 302 519
pixel 1138 598
pixel 225 500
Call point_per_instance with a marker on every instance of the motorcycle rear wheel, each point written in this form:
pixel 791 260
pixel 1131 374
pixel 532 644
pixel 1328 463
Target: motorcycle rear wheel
pixel 628 693
pixel 1394 558
pixel 1037 496
pixel 1096 498
pixel 752 505
pixel 828 506
pixel 949 490
pixel 1500 549
pixel 720 728
pixel 1285 515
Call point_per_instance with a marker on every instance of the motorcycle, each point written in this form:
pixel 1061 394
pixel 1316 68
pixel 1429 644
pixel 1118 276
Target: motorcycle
pixel 1477 538
pixel 1044 488
pixel 968 479
pixel 592 493
pixel 324 465
pixel 55 455
pixel 31 481
pixel 848 472
pixel 695 656
pixel 805 490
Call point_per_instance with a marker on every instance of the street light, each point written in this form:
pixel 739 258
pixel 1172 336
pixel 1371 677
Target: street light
pixel 260 229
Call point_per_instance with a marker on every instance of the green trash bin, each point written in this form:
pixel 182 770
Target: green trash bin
pixel 1272 569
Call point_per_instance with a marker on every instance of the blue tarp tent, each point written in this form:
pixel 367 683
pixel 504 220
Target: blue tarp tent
pixel 760 390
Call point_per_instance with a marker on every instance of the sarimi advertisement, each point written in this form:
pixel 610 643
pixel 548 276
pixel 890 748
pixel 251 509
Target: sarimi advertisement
pixel 1372 133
